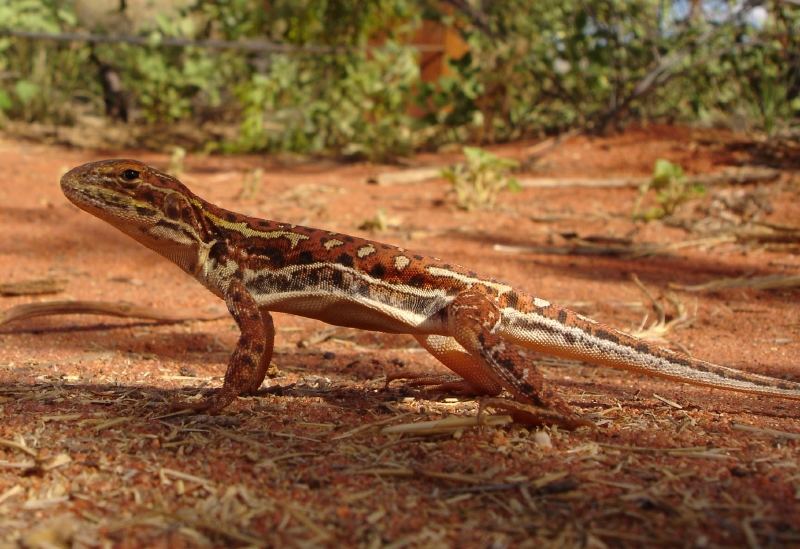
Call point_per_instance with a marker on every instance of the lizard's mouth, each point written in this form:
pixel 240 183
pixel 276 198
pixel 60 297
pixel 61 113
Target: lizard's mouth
pixel 85 197
pixel 91 196
pixel 71 186
pixel 84 184
pixel 101 202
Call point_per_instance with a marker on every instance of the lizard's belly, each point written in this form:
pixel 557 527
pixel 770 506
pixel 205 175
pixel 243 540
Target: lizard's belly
pixel 345 297
pixel 363 314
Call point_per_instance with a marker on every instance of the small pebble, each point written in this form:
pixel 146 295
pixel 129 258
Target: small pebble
pixel 542 439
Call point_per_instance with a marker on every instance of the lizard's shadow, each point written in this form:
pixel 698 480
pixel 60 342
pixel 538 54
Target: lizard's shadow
pixel 149 403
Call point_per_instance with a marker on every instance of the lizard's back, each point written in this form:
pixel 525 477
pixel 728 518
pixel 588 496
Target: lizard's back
pixel 336 278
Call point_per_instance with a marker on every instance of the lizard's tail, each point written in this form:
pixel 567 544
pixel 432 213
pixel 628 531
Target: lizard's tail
pixel 561 332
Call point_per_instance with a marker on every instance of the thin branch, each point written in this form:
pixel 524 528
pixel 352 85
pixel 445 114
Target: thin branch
pixel 478 19
pixel 121 309
pixel 260 46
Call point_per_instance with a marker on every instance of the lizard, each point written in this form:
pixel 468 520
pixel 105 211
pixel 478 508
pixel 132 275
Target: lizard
pixel 481 329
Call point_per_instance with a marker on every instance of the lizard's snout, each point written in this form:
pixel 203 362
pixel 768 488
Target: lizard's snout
pixel 78 183
pixel 70 182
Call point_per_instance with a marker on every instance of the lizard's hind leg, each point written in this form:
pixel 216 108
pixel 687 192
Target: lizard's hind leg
pixel 473 318
pixel 473 379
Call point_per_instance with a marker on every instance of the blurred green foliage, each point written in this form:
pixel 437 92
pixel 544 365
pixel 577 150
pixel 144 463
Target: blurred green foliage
pixel 532 68
pixel 37 81
pixel 483 175
pixel 350 104
pixel 672 189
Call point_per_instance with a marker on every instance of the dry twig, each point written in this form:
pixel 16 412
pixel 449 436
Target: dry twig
pixel 33 287
pixel 765 431
pixel 661 327
pixel 768 282
pixel 119 309
pixel 448 425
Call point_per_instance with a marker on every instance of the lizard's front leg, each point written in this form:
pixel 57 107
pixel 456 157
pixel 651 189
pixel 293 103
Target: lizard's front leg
pixel 473 321
pixel 249 362
pixel 266 355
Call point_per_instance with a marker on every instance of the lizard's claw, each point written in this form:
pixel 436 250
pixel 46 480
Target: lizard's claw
pixel 539 417
pixel 212 403
pixel 437 383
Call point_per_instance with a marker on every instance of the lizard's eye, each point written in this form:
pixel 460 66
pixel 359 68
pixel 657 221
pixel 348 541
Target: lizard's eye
pixel 130 175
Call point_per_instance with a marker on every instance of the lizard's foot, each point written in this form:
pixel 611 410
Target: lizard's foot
pixel 212 403
pixel 527 414
pixel 441 383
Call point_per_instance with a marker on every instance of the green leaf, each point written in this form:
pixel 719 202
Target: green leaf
pixel 474 155
pixel 67 16
pixel 665 171
pixel 26 90
pixel 5 101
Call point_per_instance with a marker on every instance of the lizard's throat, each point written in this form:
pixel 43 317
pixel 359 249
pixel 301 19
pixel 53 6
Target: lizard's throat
pixel 169 240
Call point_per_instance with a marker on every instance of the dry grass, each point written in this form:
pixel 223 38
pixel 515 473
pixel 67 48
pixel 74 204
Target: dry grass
pixel 90 456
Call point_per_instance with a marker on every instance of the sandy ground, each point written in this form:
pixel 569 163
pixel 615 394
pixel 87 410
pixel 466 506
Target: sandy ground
pixel 87 458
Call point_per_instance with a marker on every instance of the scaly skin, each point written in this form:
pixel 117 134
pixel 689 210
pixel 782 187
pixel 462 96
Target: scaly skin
pixel 477 327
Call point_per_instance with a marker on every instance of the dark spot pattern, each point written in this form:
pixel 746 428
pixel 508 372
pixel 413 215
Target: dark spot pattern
pixel 168 224
pixel 274 254
pixel 114 201
pixel 310 279
pixel 305 258
pixel 145 211
pixel 606 335
pixel 512 299
pixel 377 271
pixel 416 281
pixel 345 259
pixel 218 251
pixel 685 362
pixel 507 363
pixel 362 288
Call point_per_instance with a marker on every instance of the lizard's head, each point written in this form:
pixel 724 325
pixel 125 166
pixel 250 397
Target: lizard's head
pixel 152 207
pixel 120 190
